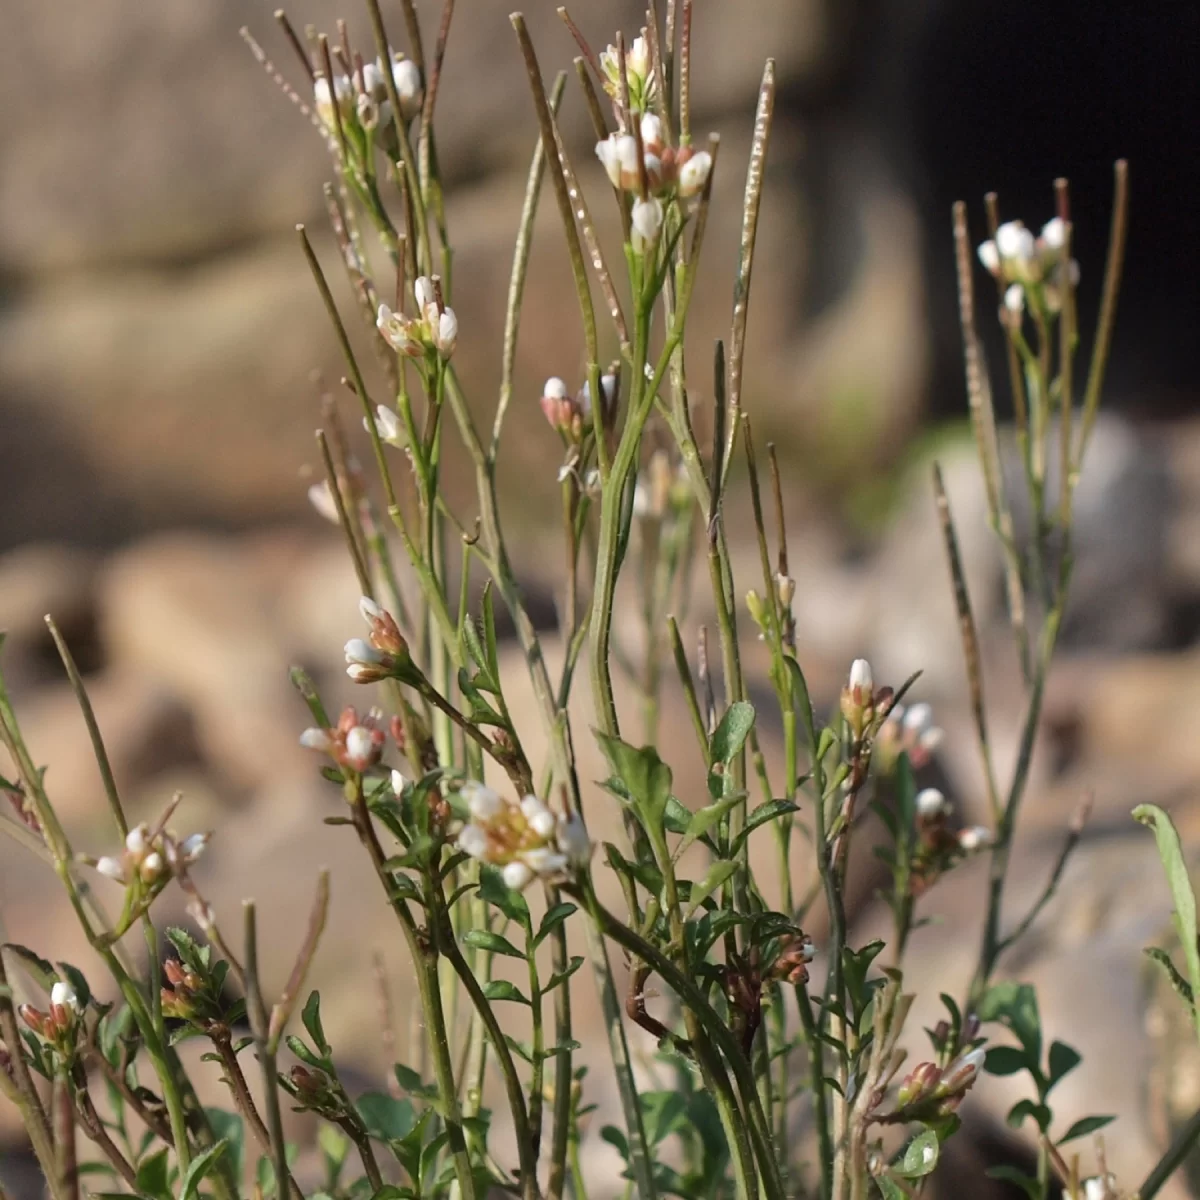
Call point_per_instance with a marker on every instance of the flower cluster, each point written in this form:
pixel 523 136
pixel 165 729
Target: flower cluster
pixel 906 731
pixel 434 329
pixel 355 742
pixel 361 96
pixel 940 847
pixel 639 73
pixel 182 990
pixel 929 1092
pixel 59 1024
pixel 571 416
pixel 149 858
pixel 385 653
pixel 524 837
pixel 1027 263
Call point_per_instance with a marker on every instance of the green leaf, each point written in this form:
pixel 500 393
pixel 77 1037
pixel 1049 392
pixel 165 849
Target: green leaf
pixel 43 974
pixel 889 1189
pixel 412 1083
pixel 493 943
pixel 1083 1127
pixel 230 1128
pixel 384 1117
pixel 74 976
pixel 1015 1005
pixel 718 873
pixel 1029 1108
pixel 1170 850
pixel 552 920
pixel 771 811
pixel 1012 1175
pixel 664 1113
pixel 563 975
pixel 153 1176
pixel 1005 1060
pixel 644 774
pixel 921 1156
pixel 705 818
pixel 200 1167
pixel 501 989
pixel 1063 1060
pixel 497 893
pixel 311 1017
pixel 730 735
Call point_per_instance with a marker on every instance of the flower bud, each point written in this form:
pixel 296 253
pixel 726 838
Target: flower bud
pixel 445 334
pixel 860 677
pixel 135 840
pixel 1014 299
pixel 1054 234
pixel 407 77
pixel 399 332
pixel 931 804
pixel 1015 244
pixel 989 256
pixel 316 739
pixel 387 424
pixel 111 868
pixel 693 174
pixel 645 222
pixel 618 156
pixel 151 867
pixel 974 838
pixel 62 995
pixel 363 748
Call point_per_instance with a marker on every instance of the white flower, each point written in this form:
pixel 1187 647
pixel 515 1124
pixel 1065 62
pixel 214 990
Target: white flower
pixel 555 388
pixel 387 424
pixel 370 611
pixel 397 331
pixel 1015 243
pixel 618 155
pixel 321 498
pixel 1014 299
pixel 637 57
pixel 111 867
pixel 693 175
pixel 423 292
pixel 989 256
pixel 316 739
pixel 407 77
pixel 398 782
pixel 63 994
pixel 136 840
pixel 1099 1187
pixel 646 221
pixel 975 837
pixel 343 90
pixel 1054 234
pixel 652 130
pixel 860 675
pixel 931 803
pixel 445 336
pixel 359 651
pixel 517 875
pixel 542 860
pixel 541 820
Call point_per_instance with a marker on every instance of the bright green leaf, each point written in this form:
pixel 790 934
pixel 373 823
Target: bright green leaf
pixel 730 735
pixel 493 943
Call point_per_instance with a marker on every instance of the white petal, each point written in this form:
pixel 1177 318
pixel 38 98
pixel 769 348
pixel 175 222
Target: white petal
pixel 321 498
pixel 483 803
pixel 860 675
pixel 473 841
pixel 370 611
pixel 517 876
pixel 361 750
pixel 316 739
pixel 989 256
pixel 1054 233
pixel 111 867
pixel 555 388
pixel 693 175
pixel 573 840
pixel 359 651
pixel 423 292
pixel 192 847
pixel 64 994
pixel 135 839
pixel 917 718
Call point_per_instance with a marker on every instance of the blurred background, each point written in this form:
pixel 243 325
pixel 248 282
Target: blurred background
pixel 163 354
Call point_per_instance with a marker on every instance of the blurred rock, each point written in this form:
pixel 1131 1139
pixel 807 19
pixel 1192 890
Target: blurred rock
pixel 196 613
pixel 146 731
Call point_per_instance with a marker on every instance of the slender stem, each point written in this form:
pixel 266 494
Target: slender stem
pixel 561 1137
pixel 1172 1160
